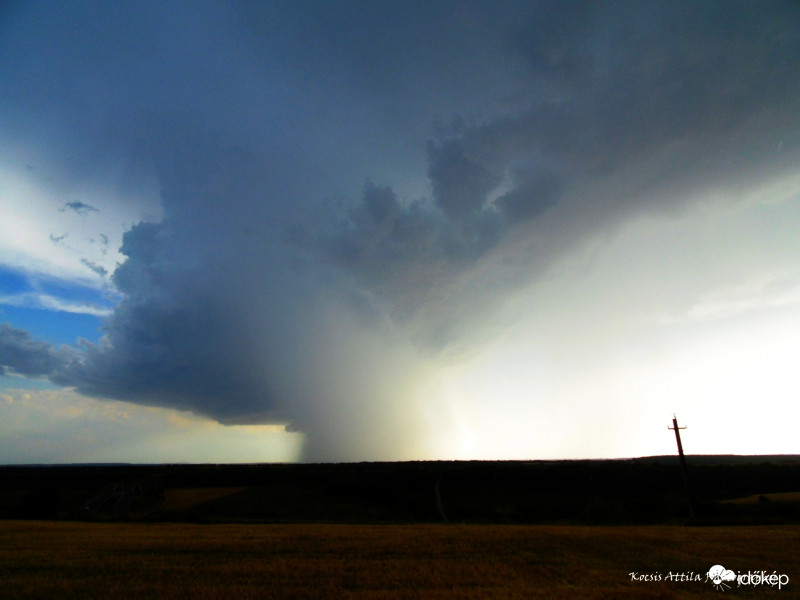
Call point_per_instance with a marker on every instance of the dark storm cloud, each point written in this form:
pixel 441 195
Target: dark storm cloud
pixel 21 354
pixel 381 237
pixel 493 136
pixel 460 183
pixel 535 193
pixel 641 108
pixel 179 337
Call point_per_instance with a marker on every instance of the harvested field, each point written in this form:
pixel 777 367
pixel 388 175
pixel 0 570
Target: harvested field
pixel 67 560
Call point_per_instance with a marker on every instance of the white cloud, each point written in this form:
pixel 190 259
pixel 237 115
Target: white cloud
pixel 740 300
pixel 48 302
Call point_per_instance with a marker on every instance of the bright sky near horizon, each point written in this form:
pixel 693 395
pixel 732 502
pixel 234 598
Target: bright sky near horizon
pixel 268 231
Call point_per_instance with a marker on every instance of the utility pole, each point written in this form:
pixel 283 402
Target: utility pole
pixel 684 468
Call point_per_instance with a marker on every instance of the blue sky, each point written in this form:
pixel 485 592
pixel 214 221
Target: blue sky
pixel 25 303
pixel 253 231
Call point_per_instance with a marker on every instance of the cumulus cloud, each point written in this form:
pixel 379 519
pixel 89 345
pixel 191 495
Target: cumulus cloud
pixel 21 354
pixel 172 340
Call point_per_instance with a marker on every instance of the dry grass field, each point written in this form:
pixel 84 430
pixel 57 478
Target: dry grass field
pixel 65 560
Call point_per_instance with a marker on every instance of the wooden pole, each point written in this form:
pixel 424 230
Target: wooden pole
pixel 684 467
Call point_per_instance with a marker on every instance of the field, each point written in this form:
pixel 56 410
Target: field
pixel 758 490
pixel 616 529
pixel 64 560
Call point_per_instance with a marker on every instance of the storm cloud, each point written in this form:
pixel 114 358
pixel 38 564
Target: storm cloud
pixel 22 355
pixel 351 190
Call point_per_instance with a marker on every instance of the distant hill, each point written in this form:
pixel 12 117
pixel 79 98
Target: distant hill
pixel 637 490
pixel 728 459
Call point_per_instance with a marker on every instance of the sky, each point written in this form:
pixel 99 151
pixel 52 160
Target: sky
pixel 263 231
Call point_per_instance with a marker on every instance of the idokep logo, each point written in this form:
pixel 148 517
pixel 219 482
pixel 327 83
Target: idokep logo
pixel 719 575
pixel 722 578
